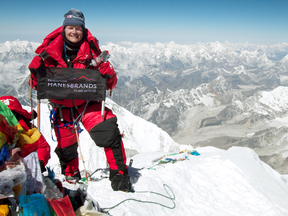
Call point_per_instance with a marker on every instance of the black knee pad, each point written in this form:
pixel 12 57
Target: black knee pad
pixel 67 154
pixel 106 134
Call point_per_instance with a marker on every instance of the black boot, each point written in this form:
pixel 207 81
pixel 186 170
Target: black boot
pixel 121 182
pixel 42 167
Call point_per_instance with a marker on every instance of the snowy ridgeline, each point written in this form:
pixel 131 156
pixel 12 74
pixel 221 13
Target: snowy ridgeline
pixel 217 182
pixel 138 59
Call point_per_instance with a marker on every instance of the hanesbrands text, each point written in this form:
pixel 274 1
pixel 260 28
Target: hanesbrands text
pixel 72 85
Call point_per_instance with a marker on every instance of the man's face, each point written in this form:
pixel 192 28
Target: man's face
pixel 74 33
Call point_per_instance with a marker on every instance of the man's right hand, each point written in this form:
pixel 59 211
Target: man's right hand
pixel 106 69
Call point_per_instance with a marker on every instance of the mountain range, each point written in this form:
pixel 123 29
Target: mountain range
pixel 204 94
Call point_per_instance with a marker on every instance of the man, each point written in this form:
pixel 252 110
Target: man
pixel 73 46
pixel 38 143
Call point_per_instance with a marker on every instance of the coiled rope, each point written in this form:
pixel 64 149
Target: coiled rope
pixel 172 198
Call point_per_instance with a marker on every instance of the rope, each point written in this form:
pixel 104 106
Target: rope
pixel 78 140
pixel 76 125
pixel 150 202
pixel 79 118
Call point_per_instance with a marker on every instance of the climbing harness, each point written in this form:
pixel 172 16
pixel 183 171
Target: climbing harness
pixel 75 122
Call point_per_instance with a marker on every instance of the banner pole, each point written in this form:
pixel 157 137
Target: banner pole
pixel 102 109
pixel 103 101
pixel 38 114
pixel 31 100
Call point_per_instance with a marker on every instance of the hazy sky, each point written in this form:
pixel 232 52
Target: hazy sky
pixel 184 22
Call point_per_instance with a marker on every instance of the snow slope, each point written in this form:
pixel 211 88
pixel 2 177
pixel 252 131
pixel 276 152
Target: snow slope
pixel 217 182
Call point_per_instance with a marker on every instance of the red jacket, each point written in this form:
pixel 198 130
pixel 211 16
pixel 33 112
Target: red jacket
pixel 53 45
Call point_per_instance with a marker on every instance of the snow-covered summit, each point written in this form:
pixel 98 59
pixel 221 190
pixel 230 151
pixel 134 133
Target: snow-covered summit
pixel 169 180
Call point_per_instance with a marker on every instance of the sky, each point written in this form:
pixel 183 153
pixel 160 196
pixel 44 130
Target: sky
pixel 217 182
pixel 151 21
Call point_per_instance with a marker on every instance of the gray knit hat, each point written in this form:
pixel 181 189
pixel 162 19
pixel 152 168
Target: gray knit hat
pixel 74 17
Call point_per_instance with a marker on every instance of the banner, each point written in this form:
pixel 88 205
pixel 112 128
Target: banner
pixel 71 83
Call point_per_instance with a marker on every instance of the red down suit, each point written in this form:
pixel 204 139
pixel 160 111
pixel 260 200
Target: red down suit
pixel 104 132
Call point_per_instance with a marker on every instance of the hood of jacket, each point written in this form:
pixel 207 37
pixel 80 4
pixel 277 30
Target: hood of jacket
pixel 53 45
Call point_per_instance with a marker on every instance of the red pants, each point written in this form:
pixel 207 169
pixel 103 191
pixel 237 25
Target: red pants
pixel 105 133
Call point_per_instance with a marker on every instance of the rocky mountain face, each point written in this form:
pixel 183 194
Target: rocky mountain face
pixel 15 57
pixel 202 94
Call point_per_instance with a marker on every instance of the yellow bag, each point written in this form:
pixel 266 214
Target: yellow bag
pixel 4 210
pixel 28 137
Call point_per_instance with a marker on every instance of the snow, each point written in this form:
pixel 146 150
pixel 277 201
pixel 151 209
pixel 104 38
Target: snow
pixel 216 182
pixel 275 99
pixel 207 100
